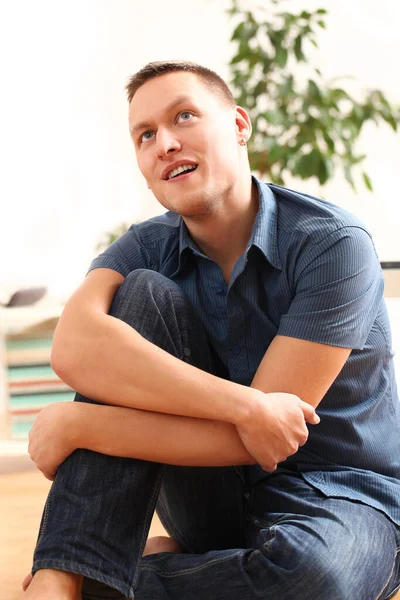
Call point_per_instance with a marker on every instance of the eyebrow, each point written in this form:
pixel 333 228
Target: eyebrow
pixel 172 105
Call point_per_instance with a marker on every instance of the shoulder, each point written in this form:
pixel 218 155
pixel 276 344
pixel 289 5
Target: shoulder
pixel 160 228
pixel 146 245
pixel 307 225
pixel 154 236
pixel 310 215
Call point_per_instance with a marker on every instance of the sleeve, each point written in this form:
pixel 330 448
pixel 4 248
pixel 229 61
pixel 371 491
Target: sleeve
pixel 338 291
pixel 124 255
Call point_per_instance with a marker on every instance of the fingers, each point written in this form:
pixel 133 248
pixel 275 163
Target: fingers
pixel 309 413
pixel 269 468
pixel 26 582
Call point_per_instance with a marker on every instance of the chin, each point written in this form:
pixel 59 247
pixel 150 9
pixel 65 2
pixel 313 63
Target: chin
pixel 191 210
pixel 188 205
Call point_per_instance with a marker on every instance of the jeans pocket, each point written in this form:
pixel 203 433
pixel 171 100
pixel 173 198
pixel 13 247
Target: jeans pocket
pixel 260 530
pixel 266 523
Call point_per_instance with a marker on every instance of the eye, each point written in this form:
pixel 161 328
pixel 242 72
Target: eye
pixel 185 116
pixel 146 136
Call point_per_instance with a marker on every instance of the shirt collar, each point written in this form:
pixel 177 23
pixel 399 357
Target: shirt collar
pixel 186 246
pixel 265 230
pixel 185 241
pixel 263 235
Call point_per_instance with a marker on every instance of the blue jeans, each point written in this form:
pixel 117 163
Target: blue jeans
pixel 279 539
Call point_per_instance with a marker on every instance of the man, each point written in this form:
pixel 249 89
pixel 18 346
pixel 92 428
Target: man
pixel 205 338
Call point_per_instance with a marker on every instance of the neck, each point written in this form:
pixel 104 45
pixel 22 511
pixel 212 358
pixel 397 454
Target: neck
pixel 224 234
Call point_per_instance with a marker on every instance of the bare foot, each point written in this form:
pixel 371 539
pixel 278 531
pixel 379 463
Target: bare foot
pixel 48 584
pixel 161 543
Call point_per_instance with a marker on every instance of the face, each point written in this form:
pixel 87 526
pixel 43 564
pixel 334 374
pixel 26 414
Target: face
pixel 187 143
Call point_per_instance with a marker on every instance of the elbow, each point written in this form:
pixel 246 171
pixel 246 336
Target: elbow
pixel 61 362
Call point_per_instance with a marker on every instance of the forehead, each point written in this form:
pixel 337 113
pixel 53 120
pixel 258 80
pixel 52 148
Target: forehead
pixel 154 97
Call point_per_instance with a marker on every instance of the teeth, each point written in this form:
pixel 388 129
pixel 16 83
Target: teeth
pixel 181 169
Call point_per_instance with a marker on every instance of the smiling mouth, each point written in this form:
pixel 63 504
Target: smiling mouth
pixel 182 170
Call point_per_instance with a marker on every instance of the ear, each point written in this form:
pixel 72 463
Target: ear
pixel 243 124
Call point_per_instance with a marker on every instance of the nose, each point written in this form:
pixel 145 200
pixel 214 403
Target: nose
pixel 166 143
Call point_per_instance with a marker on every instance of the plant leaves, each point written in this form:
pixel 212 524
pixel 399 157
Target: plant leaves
pixel 297 48
pixel 238 32
pixel 314 90
pixel 349 177
pixel 300 128
pixel 281 56
pixel 325 169
pixel 367 181
pixel 275 117
pixel 308 164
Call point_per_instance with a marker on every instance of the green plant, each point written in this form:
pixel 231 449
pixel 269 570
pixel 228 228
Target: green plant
pixel 302 124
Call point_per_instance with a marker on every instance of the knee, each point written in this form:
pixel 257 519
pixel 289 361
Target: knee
pixel 157 309
pixel 142 288
pixel 138 283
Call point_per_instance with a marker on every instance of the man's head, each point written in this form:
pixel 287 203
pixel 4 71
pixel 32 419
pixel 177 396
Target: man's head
pixel 184 114
pixel 211 79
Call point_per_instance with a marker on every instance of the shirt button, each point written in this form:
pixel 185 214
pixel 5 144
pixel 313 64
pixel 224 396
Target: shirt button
pixel 220 290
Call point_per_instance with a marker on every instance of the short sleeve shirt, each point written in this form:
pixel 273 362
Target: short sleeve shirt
pixel 310 271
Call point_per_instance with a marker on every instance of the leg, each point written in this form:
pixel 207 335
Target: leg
pixel 204 508
pixel 88 527
pixel 99 509
pixel 300 546
pixel 318 547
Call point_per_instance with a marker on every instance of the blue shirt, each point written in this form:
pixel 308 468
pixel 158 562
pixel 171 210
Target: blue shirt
pixel 310 271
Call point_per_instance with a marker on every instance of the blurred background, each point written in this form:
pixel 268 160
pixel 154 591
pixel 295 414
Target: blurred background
pixel 69 178
pixel 318 79
pixel 69 170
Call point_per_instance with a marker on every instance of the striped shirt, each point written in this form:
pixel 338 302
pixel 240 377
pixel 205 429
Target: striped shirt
pixel 310 271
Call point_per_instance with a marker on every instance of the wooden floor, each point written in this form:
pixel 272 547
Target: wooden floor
pixel 22 496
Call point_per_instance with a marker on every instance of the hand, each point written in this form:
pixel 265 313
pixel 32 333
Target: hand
pixel 276 427
pixel 27 581
pixel 51 439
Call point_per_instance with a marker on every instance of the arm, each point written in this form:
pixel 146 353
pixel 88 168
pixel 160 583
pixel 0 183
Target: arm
pixel 276 427
pixel 93 352
pixel 338 293
pixel 61 428
pixel 289 365
pixel 107 360
pixel 300 367
pixel 294 366
pixel 202 442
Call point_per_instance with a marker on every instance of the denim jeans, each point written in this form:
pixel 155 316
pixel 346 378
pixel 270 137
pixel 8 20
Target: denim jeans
pixel 279 539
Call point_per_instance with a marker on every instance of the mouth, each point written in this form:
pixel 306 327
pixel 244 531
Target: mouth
pixel 180 172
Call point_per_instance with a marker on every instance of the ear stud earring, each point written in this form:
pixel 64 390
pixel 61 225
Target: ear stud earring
pixel 242 143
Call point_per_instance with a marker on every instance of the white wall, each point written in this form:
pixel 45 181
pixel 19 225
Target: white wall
pixel 68 165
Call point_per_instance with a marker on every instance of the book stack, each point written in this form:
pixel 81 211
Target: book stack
pixel 31 382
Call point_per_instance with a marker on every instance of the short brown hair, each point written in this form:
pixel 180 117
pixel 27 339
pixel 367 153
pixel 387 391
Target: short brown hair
pixel 155 69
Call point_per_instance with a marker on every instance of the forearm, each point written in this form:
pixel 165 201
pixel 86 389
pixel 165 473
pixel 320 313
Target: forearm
pixel 157 437
pixel 115 365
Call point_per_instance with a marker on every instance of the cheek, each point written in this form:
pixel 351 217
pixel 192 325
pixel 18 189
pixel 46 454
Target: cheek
pixel 223 146
pixel 223 158
pixel 144 165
